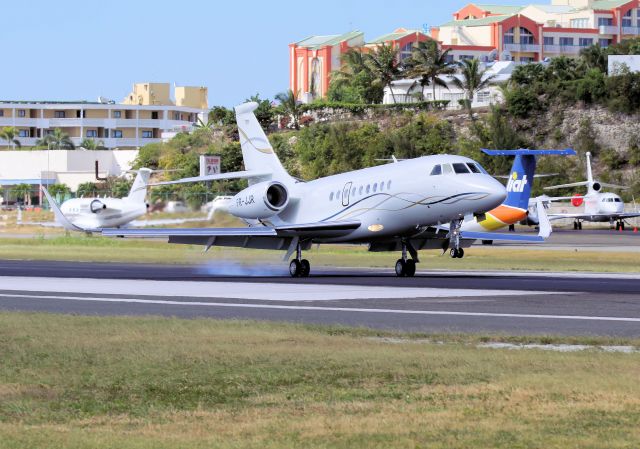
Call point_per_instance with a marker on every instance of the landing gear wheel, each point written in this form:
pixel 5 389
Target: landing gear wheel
pixel 460 253
pixel 305 267
pixel 453 253
pixel 580 226
pixel 295 268
pixel 410 268
pixel 575 225
pixel 401 268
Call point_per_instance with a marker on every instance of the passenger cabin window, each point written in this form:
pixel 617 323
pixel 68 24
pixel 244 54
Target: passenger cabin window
pixel 460 168
pixel 375 187
pixel 331 196
pixel 360 191
pixel 388 185
pixel 437 170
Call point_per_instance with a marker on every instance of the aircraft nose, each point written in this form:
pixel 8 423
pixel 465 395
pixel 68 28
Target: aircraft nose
pixel 496 193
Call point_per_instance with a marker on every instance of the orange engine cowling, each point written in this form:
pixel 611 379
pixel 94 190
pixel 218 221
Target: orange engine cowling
pixel 577 200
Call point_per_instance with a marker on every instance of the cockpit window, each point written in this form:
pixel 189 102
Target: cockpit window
pixel 617 200
pixel 446 169
pixel 473 167
pixel 460 168
pixel 437 170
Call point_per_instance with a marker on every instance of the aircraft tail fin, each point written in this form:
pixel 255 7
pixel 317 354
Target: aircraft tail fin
pixel 523 173
pixel 589 171
pixel 257 152
pixel 138 192
pixel 60 218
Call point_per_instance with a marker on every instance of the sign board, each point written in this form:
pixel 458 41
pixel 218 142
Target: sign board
pixel 209 165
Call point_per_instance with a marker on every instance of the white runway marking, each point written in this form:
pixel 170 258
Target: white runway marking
pixel 330 309
pixel 242 290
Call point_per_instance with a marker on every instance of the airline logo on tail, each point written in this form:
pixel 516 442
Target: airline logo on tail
pixel 516 185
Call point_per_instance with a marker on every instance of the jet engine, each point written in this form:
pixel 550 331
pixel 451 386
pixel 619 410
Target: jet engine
pixel 96 206
pixel 262 200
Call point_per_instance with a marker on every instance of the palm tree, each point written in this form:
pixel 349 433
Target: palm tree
pixel 473 80
pixel 595 57
pixel 9 134
pixel 87 188
pixel 290 106
pixel 383 63
pixel 57 140
pixel 428 63
pixel 59 190
pixel 92 144
pixel 352 62
pixel 24 191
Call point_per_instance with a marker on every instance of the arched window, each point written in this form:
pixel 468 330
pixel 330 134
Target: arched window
pixel 314 85
pixel 406 50
pixel 526 36
pixel 627 19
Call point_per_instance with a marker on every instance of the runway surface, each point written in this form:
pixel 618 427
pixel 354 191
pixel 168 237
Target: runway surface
pixel 510 303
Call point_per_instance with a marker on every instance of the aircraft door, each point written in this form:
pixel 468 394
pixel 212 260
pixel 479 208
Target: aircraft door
pixel 346 192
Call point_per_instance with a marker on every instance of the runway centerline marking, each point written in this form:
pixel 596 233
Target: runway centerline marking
pixel 330 309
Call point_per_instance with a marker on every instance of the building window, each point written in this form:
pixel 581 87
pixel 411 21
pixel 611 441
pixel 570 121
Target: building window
pixel 549 40
pixel 566 41
pixel 509 37
pixel 22 113
pixel 604 43
pixel 117 114
pixel 526 37
pixel 154 115
pixel 626 20
pixel 527 59
pixel 176 116
pixel 147 134
pixel 116 134
pixel 406 50
pixel 585 41
pixel 605 21
pixel 58 114
pixel 464 57
pixel 1 113
pixel 92 133
pixel 579 23
pixel 23 133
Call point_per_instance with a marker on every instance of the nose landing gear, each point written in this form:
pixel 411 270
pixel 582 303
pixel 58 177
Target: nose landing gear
pixel 454 239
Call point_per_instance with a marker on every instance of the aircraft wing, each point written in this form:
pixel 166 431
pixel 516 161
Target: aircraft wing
pixel 217 177
pixel 260 237
pixel 592 216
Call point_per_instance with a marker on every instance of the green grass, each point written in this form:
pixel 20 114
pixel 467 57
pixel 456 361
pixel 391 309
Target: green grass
pixel 95 248
pixel 77 382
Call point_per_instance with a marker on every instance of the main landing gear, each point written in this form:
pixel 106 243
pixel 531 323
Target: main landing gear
pixel 456 251
pixel 299 267
pixel 577 225
pixel 406 267
pixel 620 225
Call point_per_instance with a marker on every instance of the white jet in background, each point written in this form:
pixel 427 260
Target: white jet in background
pixel 389 207
pixel 599 206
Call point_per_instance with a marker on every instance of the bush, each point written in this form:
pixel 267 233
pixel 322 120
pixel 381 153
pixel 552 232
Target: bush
pixel 521 102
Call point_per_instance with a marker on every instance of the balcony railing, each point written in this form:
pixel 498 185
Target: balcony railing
pixel 523 48
pixel 631 30
pixel 608 29
pixel 563 49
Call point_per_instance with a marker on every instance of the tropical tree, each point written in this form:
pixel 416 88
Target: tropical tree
pixel 473 80
pixel 595 57
pixel 92 144
pixel 59 190
pixel 22 191
pixel 87 189
pixel 428 63
pixel 383 63
pixel 264 112
pixel 57 140
pixel 9 134
pixel 289 105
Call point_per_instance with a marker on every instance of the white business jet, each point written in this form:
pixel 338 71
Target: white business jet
pixel 93 214
pixel 599 206
pixel 391 207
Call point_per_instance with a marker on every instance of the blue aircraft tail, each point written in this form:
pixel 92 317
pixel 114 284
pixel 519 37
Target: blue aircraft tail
pixel 523 172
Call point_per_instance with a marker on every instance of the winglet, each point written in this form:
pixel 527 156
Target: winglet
pixel 60 218
pixel 543 220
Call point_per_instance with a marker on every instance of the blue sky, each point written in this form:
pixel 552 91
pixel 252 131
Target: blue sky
pixel 79 49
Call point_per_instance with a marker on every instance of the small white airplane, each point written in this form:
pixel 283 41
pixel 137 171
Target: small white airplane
pixel 391 207
pixel 599 206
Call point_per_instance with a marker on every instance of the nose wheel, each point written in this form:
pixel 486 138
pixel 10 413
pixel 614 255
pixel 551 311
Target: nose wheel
pixel 456 251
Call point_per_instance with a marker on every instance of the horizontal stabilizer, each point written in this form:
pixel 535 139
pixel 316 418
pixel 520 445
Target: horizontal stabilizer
pixel 217 177
pixel 614 186
pixel 564 186
pixel 527 152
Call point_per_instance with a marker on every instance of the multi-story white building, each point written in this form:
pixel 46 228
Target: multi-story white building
pixel 138 120
pixel 535 32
